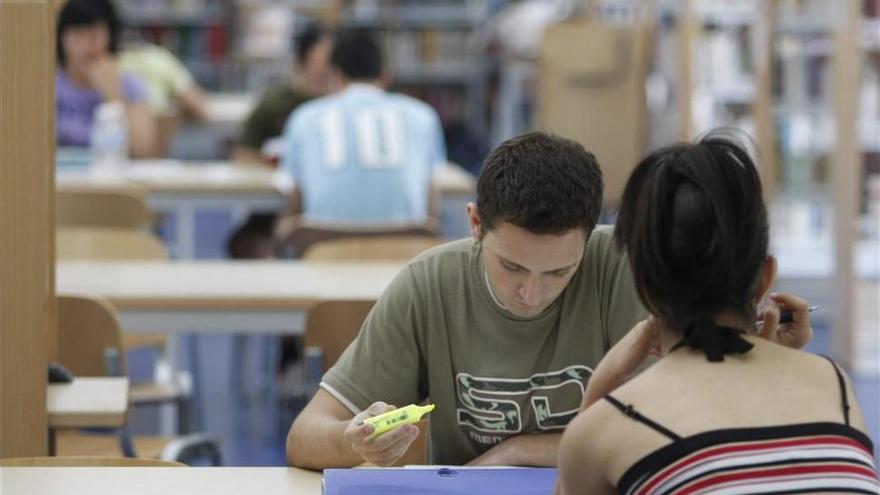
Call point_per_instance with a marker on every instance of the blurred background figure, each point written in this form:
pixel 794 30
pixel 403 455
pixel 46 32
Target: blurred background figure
pixel 171 90
pixel 258 142
pixel 260 138
pixel 89 74
pixel 363 154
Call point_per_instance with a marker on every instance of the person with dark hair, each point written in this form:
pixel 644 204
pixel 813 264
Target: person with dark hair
pixel 260 139
pixel 264 126
pixel 500 331
pixel 88 75
pixel 727 408
pixel 362 154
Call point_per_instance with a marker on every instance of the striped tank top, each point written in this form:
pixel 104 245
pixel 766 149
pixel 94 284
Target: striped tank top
pixel 821 457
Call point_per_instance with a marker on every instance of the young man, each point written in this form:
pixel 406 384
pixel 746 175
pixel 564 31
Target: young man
pixel 363 154
pixel 501 331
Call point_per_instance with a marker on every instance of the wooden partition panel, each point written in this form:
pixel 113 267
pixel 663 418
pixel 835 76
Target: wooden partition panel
pixel 27 137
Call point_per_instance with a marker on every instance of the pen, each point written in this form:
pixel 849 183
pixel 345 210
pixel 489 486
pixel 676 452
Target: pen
pixel 788 316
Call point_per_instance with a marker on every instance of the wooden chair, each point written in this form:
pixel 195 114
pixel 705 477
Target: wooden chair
pixel 121 244
pixel 90 344
pixel 295 235
pixel 381 248
pixel 97 208
pixel 107 244
pixel 87 461
pixel 330 327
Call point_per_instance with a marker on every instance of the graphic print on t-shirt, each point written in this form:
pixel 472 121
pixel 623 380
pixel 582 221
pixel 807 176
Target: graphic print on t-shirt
pixel 496 405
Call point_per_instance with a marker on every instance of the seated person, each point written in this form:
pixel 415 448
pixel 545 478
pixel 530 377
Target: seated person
pixel 362 154
pixel 310 79
pixel 169 84
pixel 88 75
pixel 723 410
pixel 501 331
pixel 263 128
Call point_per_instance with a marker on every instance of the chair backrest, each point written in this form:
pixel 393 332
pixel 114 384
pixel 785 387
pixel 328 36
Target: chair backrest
pixel 330 327
pixel 95 208
pixel 382 248
pixel 86 461
pixel 107 244
pixel 88 335
pixel 296 235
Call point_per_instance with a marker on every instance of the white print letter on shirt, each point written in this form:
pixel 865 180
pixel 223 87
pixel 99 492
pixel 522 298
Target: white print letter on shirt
pixel 332 135
pixel 493 405
pixel 378 138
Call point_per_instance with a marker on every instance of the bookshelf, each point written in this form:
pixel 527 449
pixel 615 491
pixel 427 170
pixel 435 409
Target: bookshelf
pixel 431 55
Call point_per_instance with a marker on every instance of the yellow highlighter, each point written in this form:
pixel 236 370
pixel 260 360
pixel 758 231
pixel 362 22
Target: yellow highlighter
pixel 386 422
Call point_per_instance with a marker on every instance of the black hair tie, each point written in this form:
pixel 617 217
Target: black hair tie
pixel 714 340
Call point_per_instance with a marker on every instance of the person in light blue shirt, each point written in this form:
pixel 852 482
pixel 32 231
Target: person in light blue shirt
pixel 363 154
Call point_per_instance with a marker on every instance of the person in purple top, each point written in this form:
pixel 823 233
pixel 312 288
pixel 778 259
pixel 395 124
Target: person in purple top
pixel 88 74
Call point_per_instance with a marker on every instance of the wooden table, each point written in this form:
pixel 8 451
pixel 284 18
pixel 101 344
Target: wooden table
pixel 182 188
pixel 159 480
pixel 222 296
pixel 87 403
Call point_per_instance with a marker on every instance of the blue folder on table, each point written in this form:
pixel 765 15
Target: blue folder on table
pixel 439 481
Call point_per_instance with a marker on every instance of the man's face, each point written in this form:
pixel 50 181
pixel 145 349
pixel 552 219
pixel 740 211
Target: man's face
pixel 528 271
pixel 316 67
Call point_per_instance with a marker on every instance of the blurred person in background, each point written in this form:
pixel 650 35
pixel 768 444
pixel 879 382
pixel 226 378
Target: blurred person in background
pixel 171 89
pixel 89 74
pixel 170 86
pixel 265 125
pixel 362 154
pixel 310 79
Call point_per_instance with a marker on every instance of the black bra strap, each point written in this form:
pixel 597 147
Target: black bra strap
pixel 632 413
pixel 843 395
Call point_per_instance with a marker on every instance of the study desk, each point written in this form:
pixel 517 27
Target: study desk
pixel 88 402
pixel 231 297
pixel 183 188
pixel 158 480
pixel 222 296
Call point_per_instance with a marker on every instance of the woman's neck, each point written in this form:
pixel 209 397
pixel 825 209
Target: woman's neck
pixel 670 337
pixel 78 78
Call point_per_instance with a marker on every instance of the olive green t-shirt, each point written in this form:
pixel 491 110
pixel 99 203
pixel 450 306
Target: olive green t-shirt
pixel 267 120
pixel 437 333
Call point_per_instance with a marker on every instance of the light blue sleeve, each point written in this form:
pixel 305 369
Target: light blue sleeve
pixel 439 152
pixel 292 160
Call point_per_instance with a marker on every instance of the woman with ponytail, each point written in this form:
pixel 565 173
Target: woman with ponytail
pixel 730 406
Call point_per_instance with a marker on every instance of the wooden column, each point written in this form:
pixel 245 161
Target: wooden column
pixel 845 172
pixel 27 157
pixel 762 107
pixel 688 31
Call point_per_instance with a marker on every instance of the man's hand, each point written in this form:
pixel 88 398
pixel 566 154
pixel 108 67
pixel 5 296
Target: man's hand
pixel 106 78
pixel 794 334
pixel 384 449
pixel 522 450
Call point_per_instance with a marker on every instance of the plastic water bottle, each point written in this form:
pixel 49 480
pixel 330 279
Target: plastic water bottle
pixel 109 137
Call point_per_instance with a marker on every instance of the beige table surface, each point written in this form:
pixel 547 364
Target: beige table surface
pixel 159 481
pixel 88 402
pixel 218 284
pixel 222 296
pixel 172 176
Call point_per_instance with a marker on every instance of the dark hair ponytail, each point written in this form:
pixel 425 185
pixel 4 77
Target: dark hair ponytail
pixel 694 225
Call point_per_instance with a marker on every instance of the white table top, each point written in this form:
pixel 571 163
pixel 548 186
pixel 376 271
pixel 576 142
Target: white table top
pixel 88 402
pixel 159 481
pixel 223 284
pixel 173 176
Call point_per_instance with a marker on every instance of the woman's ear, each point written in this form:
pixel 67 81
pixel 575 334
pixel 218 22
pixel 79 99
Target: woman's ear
pixel 767 278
